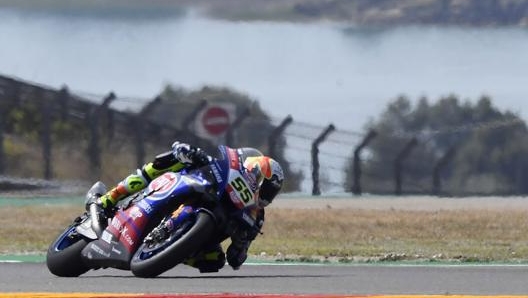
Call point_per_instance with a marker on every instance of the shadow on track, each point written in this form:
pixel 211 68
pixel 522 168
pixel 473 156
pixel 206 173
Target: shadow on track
pixel 208 276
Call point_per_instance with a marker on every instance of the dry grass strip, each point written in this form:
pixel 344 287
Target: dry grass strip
pixel 326 233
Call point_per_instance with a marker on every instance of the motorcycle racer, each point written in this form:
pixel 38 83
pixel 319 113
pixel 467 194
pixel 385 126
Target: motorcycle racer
pixel 264 171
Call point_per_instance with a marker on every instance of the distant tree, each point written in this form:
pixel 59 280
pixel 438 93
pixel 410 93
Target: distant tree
pixel 491 147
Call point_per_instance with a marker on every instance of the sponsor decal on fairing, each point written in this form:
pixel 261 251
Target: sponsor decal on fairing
pixel 163 185
pixel 99 250
pixel 216 172
pixel 143 204
pixel 239 192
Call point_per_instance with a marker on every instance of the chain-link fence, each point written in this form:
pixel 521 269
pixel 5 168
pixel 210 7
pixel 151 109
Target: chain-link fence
pixel 325 159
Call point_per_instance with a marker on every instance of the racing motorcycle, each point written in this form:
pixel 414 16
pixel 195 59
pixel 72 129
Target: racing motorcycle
pixel 137 237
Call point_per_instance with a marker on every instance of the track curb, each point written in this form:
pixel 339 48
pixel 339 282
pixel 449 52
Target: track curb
pixel 230 295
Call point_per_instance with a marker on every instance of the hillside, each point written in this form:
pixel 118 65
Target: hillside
pixel 359 12
pixel 383 12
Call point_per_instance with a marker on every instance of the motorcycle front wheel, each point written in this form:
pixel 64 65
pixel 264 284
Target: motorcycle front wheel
pixel 64 254
pixel 150 260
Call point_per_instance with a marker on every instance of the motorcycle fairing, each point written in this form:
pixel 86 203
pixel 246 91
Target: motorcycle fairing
pixel 126 227
pixel 125 232
pixel 115 247
pixel 85 229
pixel 181 214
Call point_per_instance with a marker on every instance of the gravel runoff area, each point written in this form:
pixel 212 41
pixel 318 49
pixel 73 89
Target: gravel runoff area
pixel 35 187
pixel 417 203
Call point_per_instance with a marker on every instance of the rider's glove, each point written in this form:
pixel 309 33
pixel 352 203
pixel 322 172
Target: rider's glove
pixel 255 230
pixel 236 253
pixel 106 209
pixel 189 155
pixel 199 157
pixel 182 152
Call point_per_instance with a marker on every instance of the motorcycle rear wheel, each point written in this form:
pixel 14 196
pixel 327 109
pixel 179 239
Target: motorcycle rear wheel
pixel 176 252
pixel 64 254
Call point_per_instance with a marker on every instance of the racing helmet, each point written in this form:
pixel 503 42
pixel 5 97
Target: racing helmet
pixel 268 173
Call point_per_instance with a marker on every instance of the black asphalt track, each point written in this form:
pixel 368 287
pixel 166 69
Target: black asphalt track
pixel 282 279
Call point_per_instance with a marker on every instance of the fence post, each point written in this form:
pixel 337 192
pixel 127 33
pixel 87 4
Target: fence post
pixel 9 96
pixel 398 164
pixel 235 125
pixel 315 159
pixel 45 131
pixel 442 162
pixel 3 115
pixel 356 186
pixel 105 117
pixel 12 94
pixel 63 98
pixel 274 136
pixel 94 153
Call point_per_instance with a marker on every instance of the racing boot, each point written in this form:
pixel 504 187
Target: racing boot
pixel 110 199
pixel 130 185
pixel 209 260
